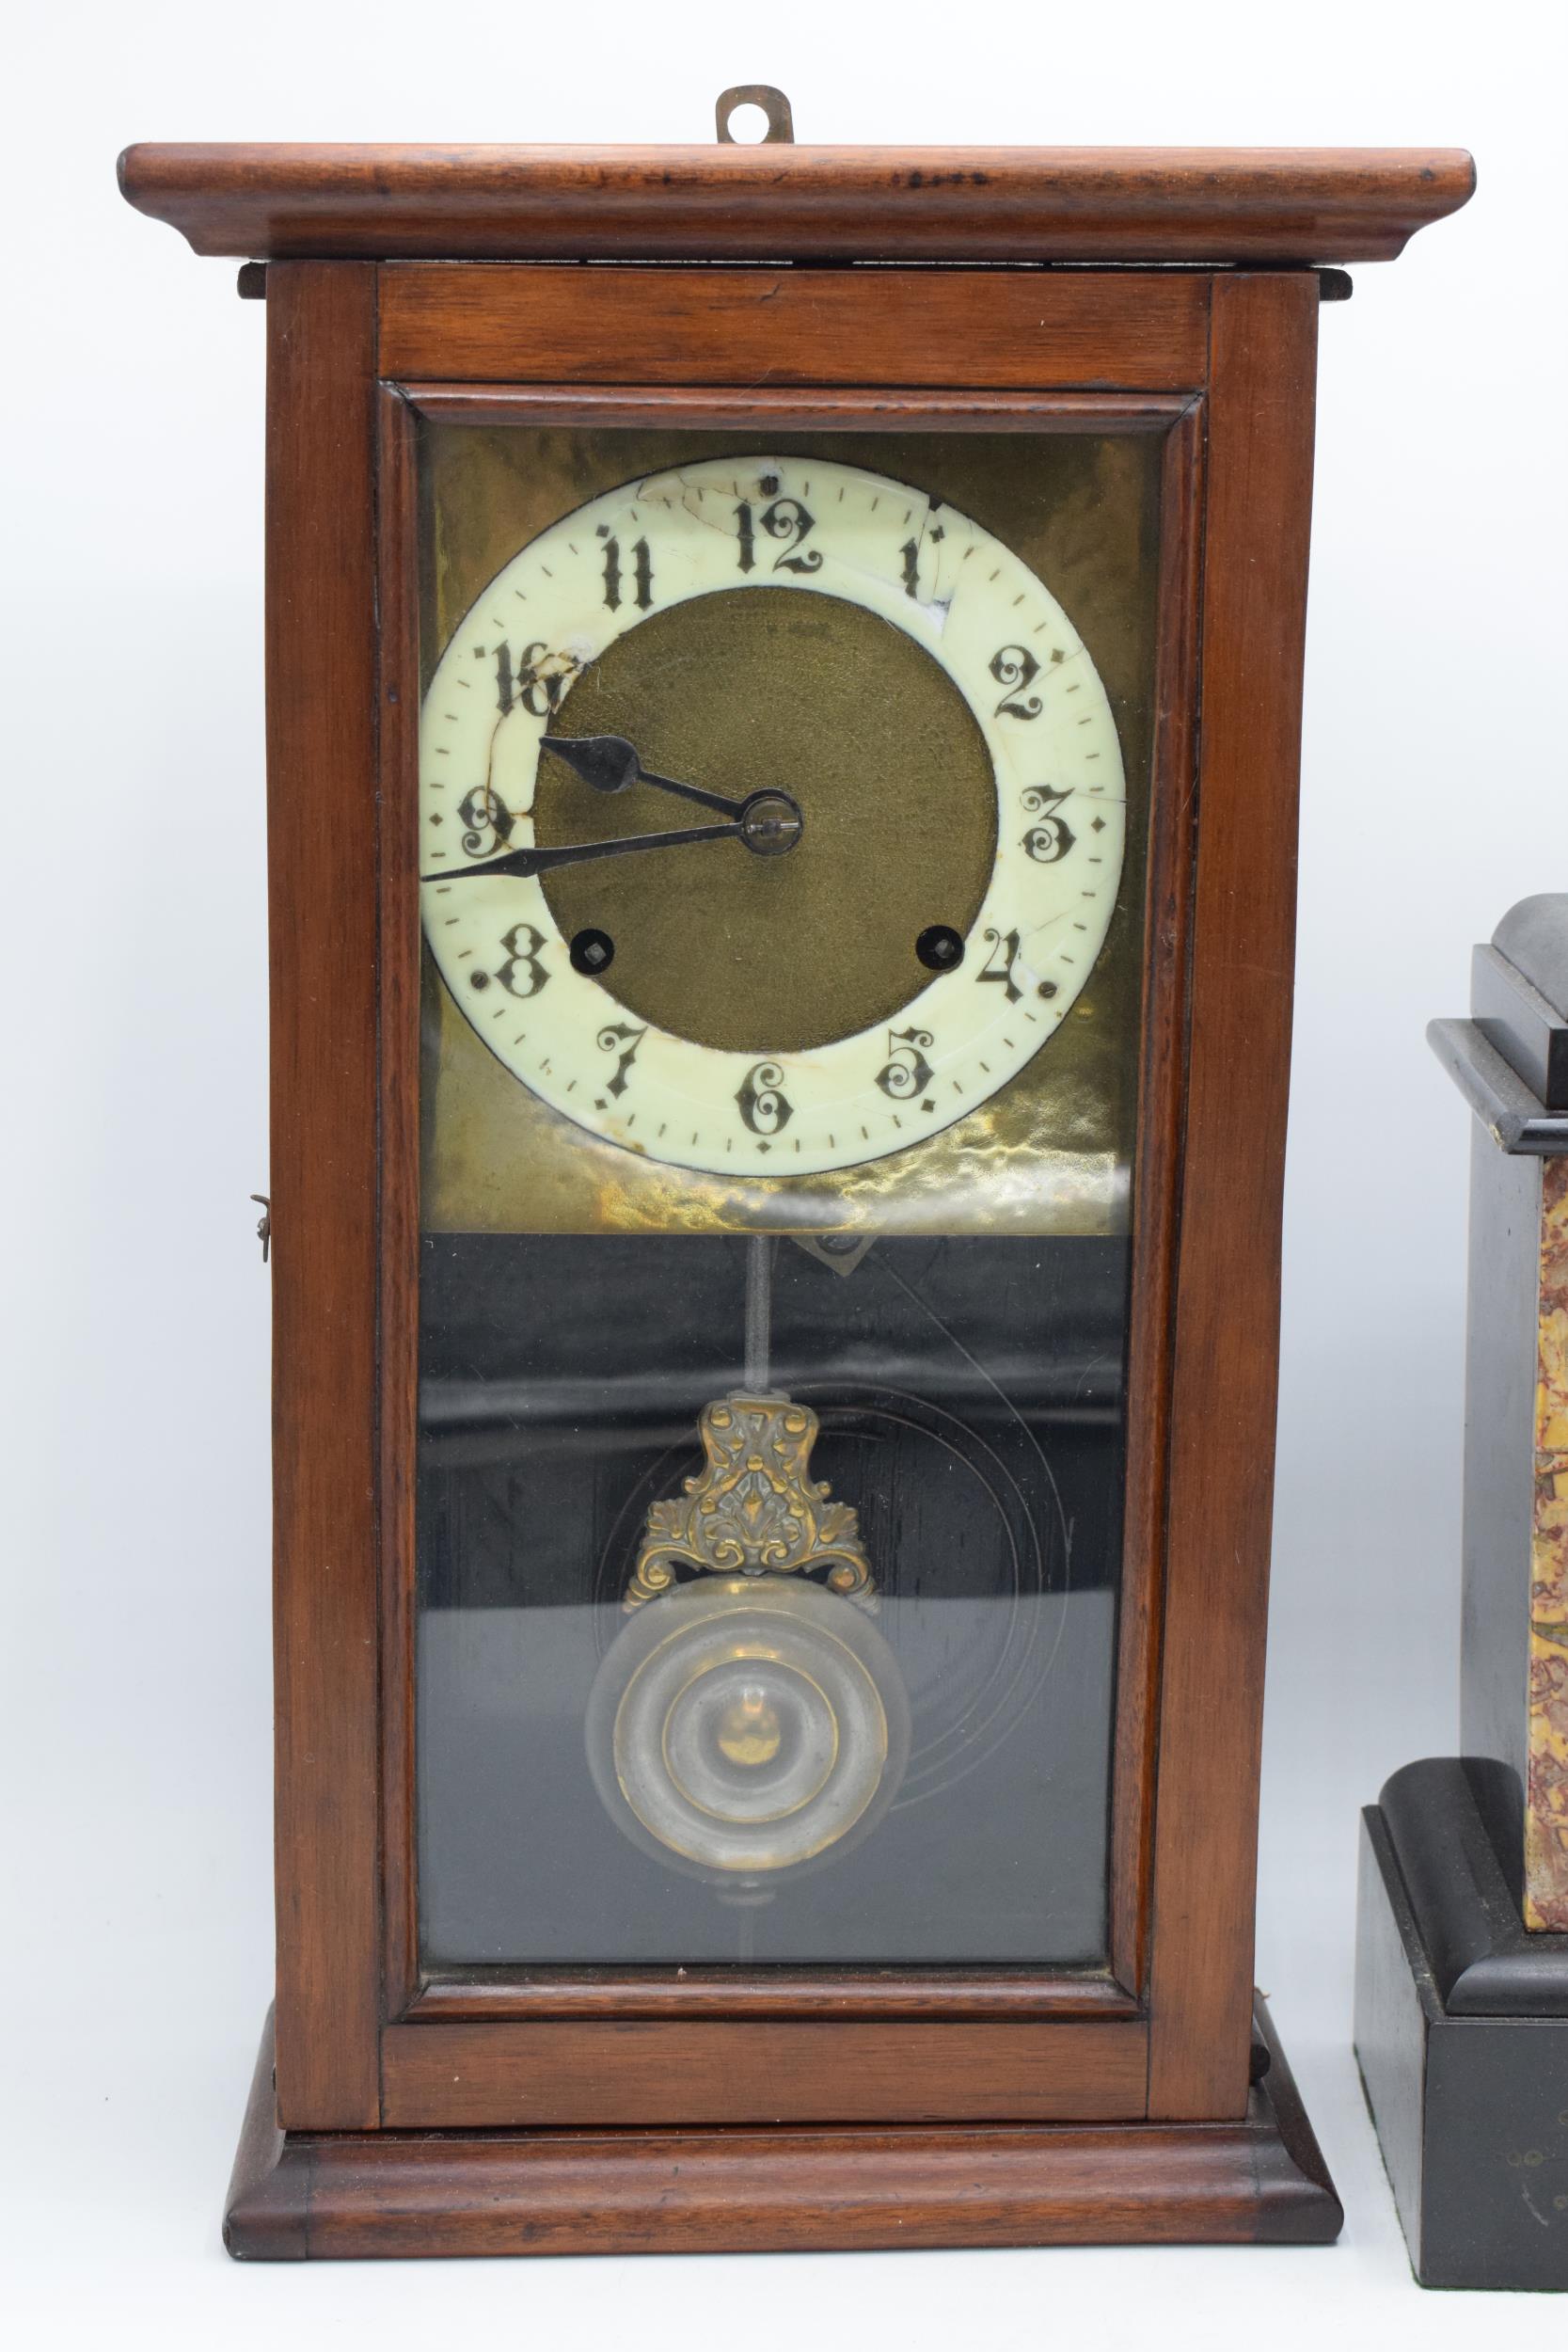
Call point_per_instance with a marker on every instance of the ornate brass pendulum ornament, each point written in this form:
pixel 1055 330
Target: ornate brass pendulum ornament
pixel 750 1717
pixel 754 1510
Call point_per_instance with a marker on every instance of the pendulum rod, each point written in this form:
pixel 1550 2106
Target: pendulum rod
pixel 759 1313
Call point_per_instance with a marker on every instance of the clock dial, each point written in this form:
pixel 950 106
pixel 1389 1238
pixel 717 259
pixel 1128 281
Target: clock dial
pixel 863 945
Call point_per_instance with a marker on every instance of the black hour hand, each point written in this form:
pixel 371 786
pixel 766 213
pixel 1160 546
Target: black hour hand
pixel 608 763
pixel 605 762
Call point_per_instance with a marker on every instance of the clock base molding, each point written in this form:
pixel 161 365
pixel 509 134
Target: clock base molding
pixel 302 2196
pixel 1462 2038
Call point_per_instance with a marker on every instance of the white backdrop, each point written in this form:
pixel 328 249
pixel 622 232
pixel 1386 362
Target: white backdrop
pixel 136 1708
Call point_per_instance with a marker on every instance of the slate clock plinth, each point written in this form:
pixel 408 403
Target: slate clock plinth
pixel 1462 2038
pixel 1461 1980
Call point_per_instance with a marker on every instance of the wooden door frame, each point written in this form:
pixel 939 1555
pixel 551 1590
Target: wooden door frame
pixel 1221 364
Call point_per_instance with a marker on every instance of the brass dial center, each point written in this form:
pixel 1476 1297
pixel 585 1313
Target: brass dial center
pixel 770 824
pixel 868 813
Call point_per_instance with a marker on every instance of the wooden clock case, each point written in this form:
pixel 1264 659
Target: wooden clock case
pixel 402 2111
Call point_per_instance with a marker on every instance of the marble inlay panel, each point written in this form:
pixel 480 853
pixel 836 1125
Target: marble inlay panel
pixel 1546 1803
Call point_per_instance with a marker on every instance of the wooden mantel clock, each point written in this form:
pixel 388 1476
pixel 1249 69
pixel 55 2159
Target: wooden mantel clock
pixel 784 675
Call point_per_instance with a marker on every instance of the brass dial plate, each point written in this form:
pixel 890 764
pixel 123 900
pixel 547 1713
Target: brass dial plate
pixel 1052 1151
pixel 877 748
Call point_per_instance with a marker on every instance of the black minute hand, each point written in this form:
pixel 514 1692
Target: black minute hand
pixel 609 763
pixel 529 862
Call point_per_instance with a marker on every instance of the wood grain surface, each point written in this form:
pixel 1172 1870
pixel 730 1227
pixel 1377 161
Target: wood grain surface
pixel 1259 2180
pixel 1133 330
pixel 1227 1305
pixel 320 876
pixel 786 202
pixel 620 2071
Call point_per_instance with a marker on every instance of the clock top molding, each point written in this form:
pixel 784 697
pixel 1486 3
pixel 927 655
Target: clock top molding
pixel 1268 207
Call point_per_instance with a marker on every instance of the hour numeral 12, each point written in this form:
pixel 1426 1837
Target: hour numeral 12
pixel 785 519
pixel 642 572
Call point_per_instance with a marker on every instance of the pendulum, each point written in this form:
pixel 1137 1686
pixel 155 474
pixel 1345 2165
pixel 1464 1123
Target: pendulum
pixel 749 1718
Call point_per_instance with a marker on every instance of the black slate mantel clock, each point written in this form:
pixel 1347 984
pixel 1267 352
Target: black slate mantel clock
pixel 1462 1936
pixel 782 771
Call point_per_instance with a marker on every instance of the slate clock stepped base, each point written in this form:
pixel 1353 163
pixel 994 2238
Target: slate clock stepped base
pixel 1461 2035
pixel 305 2196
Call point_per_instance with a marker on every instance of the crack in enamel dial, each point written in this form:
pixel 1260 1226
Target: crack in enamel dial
pixel 817 530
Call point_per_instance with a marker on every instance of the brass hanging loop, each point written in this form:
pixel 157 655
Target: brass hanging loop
pixel 774 104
